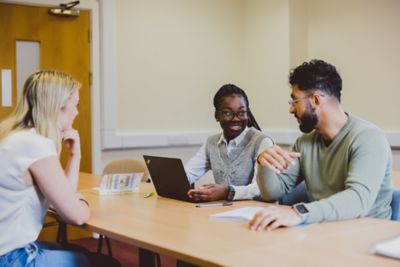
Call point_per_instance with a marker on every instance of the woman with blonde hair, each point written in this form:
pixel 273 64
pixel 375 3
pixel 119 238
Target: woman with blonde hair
pixel 31 176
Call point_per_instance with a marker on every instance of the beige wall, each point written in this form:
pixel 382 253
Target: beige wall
pixel 173 55
pixel 362 38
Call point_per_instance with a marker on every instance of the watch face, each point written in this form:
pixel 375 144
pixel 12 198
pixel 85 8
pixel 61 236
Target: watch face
pixel 301 208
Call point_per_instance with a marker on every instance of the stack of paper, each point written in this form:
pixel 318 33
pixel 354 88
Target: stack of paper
pixel 237 215
pixel 119 183
pixel 389 248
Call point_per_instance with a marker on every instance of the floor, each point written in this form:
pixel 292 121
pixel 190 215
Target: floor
pixel 126 254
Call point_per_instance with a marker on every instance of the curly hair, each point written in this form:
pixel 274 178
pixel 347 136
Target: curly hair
pixel 317 74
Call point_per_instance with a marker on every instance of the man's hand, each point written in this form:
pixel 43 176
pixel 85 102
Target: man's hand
pixel 209 192
pixel 277 159
pixel 273 217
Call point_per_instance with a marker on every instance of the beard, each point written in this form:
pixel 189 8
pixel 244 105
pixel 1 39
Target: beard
pixel 309 119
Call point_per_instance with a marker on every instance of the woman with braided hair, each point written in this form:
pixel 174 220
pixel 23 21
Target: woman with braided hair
pixel 232 154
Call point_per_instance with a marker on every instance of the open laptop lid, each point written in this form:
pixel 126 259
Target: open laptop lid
pixel 169 177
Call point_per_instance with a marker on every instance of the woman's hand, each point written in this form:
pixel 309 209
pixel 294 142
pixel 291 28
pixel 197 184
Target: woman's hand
pixel 209 192
pixel 71 141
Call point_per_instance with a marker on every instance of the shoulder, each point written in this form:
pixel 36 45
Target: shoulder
pixel 29 143
pixel 366 133
pixel 213 139
pixel 259 139
pixel 258 135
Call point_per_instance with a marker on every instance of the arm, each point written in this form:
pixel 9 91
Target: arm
pixel 198 165
pixel 71 142
pixel 368 161
pixel 51 180
pixel 251 190
pixel 278 172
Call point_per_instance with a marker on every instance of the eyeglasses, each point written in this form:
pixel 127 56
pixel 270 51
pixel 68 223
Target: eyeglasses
pixel 229 115
pixel 294 101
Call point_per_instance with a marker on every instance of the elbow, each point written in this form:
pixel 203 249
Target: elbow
pixel 82 219
pixel 81 216
pixel 265 194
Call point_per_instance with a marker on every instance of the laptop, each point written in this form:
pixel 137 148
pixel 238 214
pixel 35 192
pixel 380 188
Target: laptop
pixel 169 177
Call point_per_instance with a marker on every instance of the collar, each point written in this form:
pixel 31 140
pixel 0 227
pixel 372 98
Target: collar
pixel 236 141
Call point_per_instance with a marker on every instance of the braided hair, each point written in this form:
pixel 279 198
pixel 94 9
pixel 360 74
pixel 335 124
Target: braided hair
pixel 231 89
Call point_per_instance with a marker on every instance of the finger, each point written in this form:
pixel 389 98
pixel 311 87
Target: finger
pixel 275 224
pixel 272 164
pixel 286 156
pixel 265 222
pixel 294 155
pixel 277 159
pixel 255 221
pixel 190 194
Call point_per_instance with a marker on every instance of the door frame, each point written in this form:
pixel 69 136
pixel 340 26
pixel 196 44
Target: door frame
pixel 95 70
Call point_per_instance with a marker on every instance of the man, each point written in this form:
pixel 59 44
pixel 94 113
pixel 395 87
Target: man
pixel 345 161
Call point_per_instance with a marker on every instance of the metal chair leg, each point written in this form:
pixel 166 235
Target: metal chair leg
pixel 108 246
pixel 100 245
pixel 62 233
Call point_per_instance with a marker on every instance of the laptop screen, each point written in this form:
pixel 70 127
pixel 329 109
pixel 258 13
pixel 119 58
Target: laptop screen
pixel 169 177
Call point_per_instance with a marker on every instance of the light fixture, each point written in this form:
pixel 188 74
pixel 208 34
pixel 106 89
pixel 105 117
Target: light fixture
pixel 66 10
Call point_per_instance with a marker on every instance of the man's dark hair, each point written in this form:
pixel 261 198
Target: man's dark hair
pixel 317 74
pixel 229 90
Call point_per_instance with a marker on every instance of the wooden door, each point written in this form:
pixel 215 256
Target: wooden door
pixel 64 45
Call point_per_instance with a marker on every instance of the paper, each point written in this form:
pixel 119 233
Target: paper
pixel 389 248
pixel 243 214
pixel 119 183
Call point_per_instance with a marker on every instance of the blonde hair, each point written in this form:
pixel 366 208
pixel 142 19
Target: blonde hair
pixel 44 94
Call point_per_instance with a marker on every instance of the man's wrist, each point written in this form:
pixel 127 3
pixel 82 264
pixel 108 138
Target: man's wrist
pixel 301 210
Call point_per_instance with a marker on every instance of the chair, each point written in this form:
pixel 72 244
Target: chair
pixel 129 165
pixel 396 205
pixel 298 194
pixel 62 236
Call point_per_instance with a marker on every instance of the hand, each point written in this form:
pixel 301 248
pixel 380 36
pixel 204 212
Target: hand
pixel 277 159
pixel 71 141
pixel 209 192
pixel 273 217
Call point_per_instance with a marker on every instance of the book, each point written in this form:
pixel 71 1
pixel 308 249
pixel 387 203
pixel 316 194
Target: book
pixel 389 248
pixel 119 183
pixel 243 214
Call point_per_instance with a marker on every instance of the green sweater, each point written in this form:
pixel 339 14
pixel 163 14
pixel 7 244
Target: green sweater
pixel 349 178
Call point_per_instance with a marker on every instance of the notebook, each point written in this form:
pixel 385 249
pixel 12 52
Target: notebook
pixel 388 248
pixel 243 214
pixel 169 177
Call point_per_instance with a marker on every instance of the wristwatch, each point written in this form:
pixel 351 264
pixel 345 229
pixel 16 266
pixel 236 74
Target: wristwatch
pixel 231 193
pixel 301 210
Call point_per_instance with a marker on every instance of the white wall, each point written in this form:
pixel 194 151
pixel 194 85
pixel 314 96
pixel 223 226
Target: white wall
pixel 173 55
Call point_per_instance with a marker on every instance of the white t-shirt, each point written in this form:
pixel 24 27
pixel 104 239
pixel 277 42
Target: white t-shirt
pixel 22 206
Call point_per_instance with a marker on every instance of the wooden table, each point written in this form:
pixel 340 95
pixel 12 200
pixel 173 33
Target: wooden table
pixel 182 231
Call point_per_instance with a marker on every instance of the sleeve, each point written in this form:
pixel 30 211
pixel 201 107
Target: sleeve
pixel 367 166
pixel 251 190
pixel 33 147
pixel 274 186
pixel 197 166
